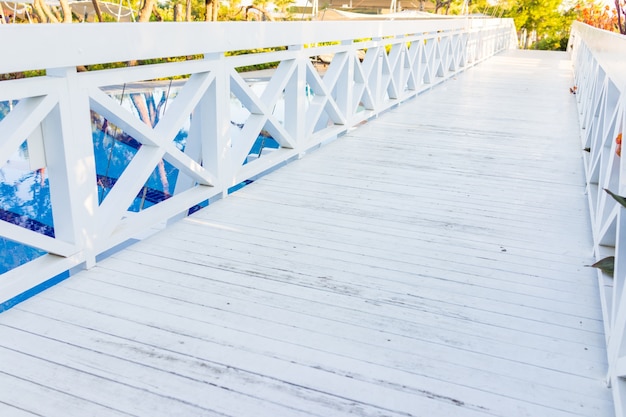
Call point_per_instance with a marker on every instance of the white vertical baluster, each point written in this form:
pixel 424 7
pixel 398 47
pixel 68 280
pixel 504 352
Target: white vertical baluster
pixel 71 164
pixel 345 85
pixel 214 114
pixel 296 101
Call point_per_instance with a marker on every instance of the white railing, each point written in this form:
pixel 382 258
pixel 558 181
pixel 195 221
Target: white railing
pixel 600 88
pixel 375 66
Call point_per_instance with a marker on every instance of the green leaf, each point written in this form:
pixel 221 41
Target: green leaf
pixel 618 198
pixel 606 265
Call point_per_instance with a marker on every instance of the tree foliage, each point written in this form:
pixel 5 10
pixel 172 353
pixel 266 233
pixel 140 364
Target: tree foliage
pixel 546 22
pixel 541 24
pixel 603 16
pixel 442 5
pixel 597 15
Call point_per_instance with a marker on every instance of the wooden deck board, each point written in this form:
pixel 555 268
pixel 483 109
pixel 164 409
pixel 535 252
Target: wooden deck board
pixel 429 263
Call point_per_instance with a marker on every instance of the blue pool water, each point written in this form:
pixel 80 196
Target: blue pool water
pixel 25 197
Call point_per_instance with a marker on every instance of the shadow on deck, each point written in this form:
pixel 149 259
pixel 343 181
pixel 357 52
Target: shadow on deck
pixel 429 263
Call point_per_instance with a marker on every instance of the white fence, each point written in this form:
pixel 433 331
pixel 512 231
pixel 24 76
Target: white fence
pixel 600 87
pixel 375 66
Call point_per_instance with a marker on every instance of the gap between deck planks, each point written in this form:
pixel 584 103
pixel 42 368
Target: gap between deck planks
pixel 429 263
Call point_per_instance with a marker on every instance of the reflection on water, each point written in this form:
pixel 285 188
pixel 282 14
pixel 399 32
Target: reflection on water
pixel 24 201
pixel 114 149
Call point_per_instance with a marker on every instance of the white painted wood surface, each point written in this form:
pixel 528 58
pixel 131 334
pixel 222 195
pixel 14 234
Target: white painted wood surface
pixel 601 85
pixel 54 112
pixel 428 263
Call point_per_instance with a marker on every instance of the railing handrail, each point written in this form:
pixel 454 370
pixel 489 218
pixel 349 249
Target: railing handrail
pixel 600 91
pixel 35 47
pixel 608 49
pixel 396 61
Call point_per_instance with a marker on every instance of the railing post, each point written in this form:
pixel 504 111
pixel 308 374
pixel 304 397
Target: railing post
pixel 375 81
pixel 295 100
pixel 71 164
pixel 199 141
pixel 397 55
pixel 212 118
pixel 345 84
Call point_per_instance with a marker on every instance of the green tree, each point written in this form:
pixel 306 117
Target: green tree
pixel 442 5
pixel 541 24
pixel 283 5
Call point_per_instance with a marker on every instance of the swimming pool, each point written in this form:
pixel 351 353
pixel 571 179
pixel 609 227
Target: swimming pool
pixel 25 192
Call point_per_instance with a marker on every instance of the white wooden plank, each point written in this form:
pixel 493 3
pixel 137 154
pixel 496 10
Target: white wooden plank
pixel 10 410
pixel 211 294
pixel 242 386
pixel 451 322
pixel 369 391
pixel 111 390
pixel 461 206
pixel 433 185
pixel 300 353
pixel 432 181
pixel 435 293
pixel 419 265
pixel 307 189
pixel 340 257
pixel 507 207
pixel 22 392
pixel 37 240
pixel 324 224
pixel 388 236
pixel 199 390
pixel 157 42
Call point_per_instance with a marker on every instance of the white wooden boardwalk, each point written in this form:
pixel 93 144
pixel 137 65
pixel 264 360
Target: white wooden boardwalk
pixel 430 263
